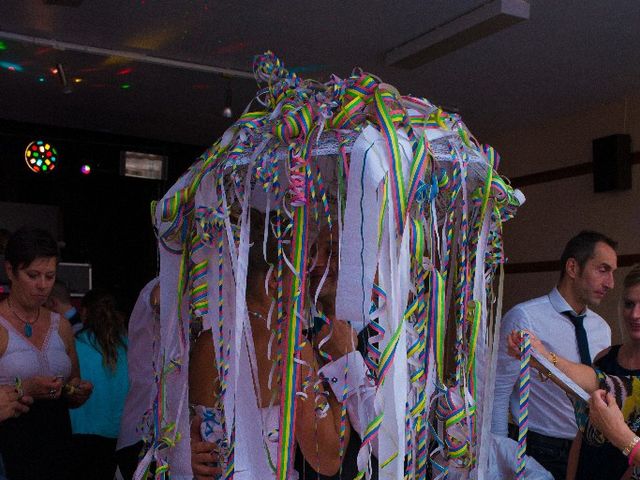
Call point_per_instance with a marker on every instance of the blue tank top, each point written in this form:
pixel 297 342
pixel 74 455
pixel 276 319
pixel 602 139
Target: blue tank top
pixel 100 415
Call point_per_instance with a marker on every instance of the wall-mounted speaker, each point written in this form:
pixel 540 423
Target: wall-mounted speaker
pixel 612 163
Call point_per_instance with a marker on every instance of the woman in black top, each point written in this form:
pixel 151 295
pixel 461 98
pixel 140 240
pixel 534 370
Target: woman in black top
pixel 603 461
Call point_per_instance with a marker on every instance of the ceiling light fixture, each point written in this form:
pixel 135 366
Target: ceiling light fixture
pixel 482 21
pixel 40 156
pixel 226 111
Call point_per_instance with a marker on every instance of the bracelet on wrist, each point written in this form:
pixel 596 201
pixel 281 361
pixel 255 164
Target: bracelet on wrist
pixel 554 359
pixel 632 452
pixel 626 451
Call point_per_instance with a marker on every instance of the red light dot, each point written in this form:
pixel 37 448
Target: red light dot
pixel 124 71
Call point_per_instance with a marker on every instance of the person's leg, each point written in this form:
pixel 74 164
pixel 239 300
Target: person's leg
pixel 550 453
pixel 128 458
pixel 94 457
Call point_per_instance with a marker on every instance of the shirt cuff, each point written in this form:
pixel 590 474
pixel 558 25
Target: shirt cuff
pixel 355 377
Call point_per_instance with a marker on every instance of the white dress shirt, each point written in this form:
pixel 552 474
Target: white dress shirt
pixel 550 410
pixel 361 390
pixel 142 332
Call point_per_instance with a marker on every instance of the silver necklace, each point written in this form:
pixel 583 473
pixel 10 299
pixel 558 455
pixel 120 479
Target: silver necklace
pixel 28 326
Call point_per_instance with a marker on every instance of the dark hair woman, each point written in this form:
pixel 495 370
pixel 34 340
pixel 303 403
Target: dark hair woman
pixel 37 353
pixel 102 352
pixel 318 436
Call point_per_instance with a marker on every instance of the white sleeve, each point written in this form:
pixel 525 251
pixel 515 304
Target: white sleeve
pixel 350 372
pixel 507 371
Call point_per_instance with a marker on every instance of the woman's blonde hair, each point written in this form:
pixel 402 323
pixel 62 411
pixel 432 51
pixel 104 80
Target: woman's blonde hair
pixel 632 278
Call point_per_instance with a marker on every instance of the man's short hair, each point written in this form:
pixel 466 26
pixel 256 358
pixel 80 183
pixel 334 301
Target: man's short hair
pixel 581 248
pixel 60 291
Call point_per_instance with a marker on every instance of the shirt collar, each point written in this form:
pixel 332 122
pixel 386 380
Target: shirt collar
pixel 559 304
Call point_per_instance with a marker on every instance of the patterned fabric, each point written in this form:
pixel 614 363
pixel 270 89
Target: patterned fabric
pixel 211 430
pixel 626 390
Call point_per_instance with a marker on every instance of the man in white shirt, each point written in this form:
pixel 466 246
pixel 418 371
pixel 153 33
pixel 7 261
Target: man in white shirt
pixel 563 321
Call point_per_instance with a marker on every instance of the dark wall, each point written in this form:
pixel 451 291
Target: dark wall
pixel 106 219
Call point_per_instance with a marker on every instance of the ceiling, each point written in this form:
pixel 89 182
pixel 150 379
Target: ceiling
pixel 569 56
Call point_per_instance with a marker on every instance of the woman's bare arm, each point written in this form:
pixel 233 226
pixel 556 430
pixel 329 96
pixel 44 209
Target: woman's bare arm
pixel 202 371
pixel 319 438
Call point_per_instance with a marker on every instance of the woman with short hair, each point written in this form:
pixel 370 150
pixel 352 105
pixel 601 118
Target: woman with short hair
pixel 38 356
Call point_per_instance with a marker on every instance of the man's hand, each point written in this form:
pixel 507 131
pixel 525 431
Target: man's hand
pixel 204 460
pixel 515 338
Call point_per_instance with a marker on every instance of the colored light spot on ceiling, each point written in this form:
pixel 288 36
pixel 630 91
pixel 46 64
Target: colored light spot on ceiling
pixel 3 45
pixel 54 70
pixel 156 40
pixel 12 67
pixel 124 71
pixel 113 60
pixel 41 79
pixel 77 80
pixel 125 86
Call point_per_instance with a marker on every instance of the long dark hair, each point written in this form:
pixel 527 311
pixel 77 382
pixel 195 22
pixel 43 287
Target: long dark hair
pixel 102 318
